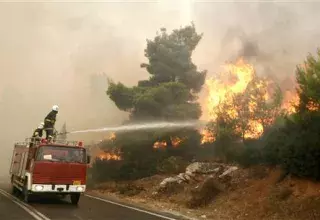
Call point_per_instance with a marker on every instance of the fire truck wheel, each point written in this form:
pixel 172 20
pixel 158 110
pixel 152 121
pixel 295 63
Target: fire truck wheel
pixel 14 190
pixel 75 198
pixel 26 194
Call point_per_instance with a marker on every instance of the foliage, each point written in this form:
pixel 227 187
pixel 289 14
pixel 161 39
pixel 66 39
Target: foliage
pixel 308 79
pixel 172 165
pixel 295 144
pixel 234 118
pixel 167 101
pixel 170 91
pixel 169 94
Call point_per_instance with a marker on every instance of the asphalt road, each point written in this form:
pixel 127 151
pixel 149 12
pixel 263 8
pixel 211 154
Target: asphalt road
pixel 89 208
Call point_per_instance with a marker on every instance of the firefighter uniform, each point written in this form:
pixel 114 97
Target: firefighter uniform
pixel 38 133
pixel 49 122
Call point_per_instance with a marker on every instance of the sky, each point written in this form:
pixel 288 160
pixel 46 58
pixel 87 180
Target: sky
pixel 49 52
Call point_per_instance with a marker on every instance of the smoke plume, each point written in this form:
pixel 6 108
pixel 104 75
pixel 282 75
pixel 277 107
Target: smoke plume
pixel 62 53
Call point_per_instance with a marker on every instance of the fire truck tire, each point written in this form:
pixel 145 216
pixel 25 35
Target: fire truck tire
pixel 25 193
pixel 75 198
pixel 14 190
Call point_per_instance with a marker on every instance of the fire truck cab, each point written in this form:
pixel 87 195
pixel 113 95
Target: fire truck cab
pixel 39 167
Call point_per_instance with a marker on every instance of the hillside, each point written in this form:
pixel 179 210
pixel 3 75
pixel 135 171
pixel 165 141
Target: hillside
pixel 252 193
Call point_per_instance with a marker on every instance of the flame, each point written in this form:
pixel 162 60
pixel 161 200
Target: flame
pixel 159 144
pixel 207 136
pixel 291 99
pixel 175 142
pixel 108 156
pixel 113 136
pixel 222 90
pixel 255 129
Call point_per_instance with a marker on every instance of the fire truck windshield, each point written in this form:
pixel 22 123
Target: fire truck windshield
pixel 61 154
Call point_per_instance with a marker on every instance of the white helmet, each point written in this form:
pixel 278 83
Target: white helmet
pixel 41 125
pixel 55 108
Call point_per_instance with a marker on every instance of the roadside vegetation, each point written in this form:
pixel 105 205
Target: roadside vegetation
pixel 248 125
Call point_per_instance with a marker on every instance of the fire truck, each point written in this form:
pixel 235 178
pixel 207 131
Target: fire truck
pixel 42 167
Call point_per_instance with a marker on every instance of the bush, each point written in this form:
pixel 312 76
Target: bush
pixel 130 189
pixel 205 193
pixel 250 154
pixel 296 146
pixel 172 165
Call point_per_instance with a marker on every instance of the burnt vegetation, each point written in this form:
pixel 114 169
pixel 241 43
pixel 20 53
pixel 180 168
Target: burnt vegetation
pixel 289 139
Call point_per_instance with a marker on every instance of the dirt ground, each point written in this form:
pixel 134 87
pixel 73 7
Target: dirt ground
pixel 253 194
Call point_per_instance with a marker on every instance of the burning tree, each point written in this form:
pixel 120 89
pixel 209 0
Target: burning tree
pixel 242 105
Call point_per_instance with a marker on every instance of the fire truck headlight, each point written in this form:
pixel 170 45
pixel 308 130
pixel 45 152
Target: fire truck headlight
pixel 80 188
pixel 39 188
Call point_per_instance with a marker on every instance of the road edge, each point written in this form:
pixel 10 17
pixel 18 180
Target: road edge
pixel 29 209
pixel 137 207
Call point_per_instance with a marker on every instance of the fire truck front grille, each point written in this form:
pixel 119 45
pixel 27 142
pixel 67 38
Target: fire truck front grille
pixel 56 180
pixel 49 173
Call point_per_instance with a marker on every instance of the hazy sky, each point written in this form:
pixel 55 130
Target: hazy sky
pixel 48 51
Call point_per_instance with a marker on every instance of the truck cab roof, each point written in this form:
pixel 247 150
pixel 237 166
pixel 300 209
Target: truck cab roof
pixel 44 142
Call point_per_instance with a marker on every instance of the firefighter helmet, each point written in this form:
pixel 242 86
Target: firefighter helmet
pixel 41 125
pixel 55 108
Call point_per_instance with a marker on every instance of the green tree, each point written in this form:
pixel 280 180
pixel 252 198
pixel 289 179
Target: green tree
pixel 295 144
pixel 308 79
pixel 169 94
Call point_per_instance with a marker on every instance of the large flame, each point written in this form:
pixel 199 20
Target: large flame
pixel 291 99
pixel 234 81
pixel 106 155
pixel 222 90
pixel 224 86
pixel 207 136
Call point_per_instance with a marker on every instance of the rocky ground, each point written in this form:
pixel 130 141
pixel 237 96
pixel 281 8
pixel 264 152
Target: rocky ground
pixel 219 191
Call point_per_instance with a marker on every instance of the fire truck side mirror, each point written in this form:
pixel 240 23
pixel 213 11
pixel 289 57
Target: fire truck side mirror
pixel 88 159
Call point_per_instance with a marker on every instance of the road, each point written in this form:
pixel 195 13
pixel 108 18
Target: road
pixel 89 208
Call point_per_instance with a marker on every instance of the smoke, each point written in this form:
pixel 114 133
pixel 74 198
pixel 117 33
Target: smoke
pixel 62 53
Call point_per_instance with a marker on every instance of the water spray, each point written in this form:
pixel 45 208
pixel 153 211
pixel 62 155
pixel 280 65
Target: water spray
pixel 143 126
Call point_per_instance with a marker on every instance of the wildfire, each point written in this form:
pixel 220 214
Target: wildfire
pixel 113 136
pixel 175 142
pixel 223 90
pixel 291 99
pixel 108 156
pixel 159 144
pixel 207 136
pixel 255 129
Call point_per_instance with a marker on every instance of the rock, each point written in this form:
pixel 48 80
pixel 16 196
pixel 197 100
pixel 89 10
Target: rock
pixel 168 180
pixel 204 168
pixel 203 194
pixel 199 171
pixel 203 216
pixel 228 171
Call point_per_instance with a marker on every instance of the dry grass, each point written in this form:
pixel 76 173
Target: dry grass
pixel 253 194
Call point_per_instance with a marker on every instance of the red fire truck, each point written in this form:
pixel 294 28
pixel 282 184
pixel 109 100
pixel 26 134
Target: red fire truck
pixel 39 167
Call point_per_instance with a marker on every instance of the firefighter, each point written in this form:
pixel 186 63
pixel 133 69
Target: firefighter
pixel 49 122
pixel 39 131
pixel 37 134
